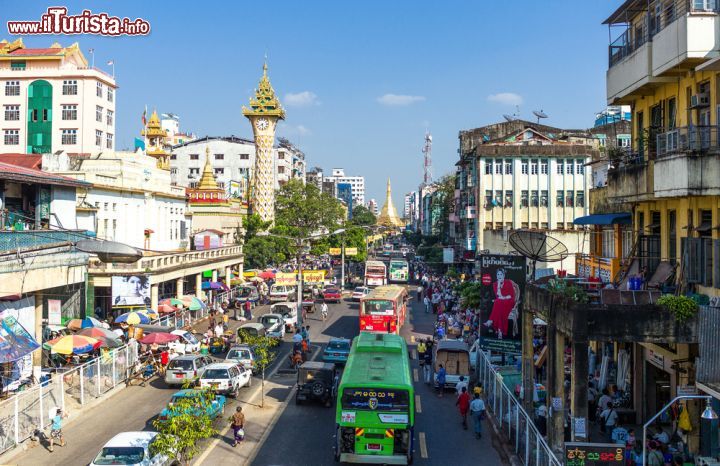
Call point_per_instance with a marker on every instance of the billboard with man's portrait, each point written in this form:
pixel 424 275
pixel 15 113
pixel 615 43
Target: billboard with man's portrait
pixel 131 290
pixel 503 279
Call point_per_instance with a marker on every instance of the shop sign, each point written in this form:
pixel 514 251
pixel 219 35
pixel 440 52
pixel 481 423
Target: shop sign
pixel 285 278
pixel 54 312
pixel 351 251
pixel 335 251
pixel 687 390
pixel 594 454
pixel 580 427
pixel 656 359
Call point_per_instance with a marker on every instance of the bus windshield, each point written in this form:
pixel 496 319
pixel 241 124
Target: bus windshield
pixel 378 308
pixel 371 399
pixel 376 270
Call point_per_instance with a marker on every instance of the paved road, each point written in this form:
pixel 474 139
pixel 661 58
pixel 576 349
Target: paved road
pixel 132 409
pixel 303 435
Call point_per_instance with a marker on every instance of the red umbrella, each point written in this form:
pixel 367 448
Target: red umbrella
pixel 267 274
pixel 166 309
pixel 159 338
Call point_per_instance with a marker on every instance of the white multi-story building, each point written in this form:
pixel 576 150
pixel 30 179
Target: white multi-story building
pixel 53 101
pixel 130 201
pixel 408 205
pixel 372 205
pixel 170 123
pixel 357 183
pixel 289 163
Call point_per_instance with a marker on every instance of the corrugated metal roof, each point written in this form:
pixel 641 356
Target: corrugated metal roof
pixel 28 175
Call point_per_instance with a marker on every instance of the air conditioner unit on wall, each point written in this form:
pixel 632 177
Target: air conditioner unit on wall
pixel 700 100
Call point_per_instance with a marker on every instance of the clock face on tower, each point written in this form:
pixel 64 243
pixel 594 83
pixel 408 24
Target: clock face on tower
pixel 262 124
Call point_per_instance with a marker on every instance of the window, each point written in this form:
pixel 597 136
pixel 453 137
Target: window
pixel 219 171
pixel 17 65
pixel 69 87
pixel 544 225
pixel 544 167
pixel 608 243
pixel 69 137
pixel 34 115
pixel 524 198
pixel 508 198
pixel 498 201
pixel 98 89
pixel 524 225
pixel 569 169
pixel 98 113
pixel 488 167
pixel 69 112
pixel 524 167
pixel 173 171
pixel 109 140
pixel 534 226
pixel 560 199
pixel 671 113
pixel 111 94
pixel 194 156
pixel 534 167
pixel 12 113
pixel 569 199
pixel 560 226
pixel 498 167
pixel 623 141
pixel 12 137
pixel 543 198
pixel 281 170
pixel 219 156
pixel 45 114
pixel 580 167
pixel 98 137
pixel 110 115
pixel 488 199
pixel 194 171
pixel 580 199
pixel 281 156
pixel 244 156
pixel 508 168
pixel 12 88
pixel 560 169
pixel 173 156
pixel 672 236
pixel 534 199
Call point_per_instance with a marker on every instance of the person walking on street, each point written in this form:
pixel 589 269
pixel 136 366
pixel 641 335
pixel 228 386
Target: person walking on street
pixel 419 292
pixel 324 310
pixel 477 411
pixel 56 429
pixel 462 384
pixel 440 380
pixel 427 365
pixel 421 352
pixel 463 404
pixel 237 421
pixel 426 301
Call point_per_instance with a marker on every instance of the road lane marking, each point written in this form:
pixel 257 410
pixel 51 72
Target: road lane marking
pixel 423 445
pixel 413 354
pixel 418 404
pixel 415 375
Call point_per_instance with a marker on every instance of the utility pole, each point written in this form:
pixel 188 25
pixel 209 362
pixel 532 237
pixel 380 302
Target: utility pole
pixel 299 283
pixel 342 266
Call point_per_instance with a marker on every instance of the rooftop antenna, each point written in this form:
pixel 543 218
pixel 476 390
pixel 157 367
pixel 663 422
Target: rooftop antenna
pixel 539 114
pixel 427 155
pixel 509 117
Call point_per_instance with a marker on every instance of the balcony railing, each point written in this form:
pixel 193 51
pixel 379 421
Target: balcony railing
pixel 695 139
pixel 160 262
pixel 590 265
pixel 36 239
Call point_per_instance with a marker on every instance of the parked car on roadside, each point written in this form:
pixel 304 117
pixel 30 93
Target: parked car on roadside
pixel 337 350
pixel 187 343
pixel 254 329
pixel 226 378
pixel 280 293
pixel 186 368
pixel 317 381
pixel 215 408
pixel 130 449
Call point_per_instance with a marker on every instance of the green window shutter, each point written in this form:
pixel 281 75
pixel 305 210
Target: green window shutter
pixel 716 263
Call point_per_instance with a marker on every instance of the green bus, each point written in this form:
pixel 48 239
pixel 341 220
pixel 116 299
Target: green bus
pixel 399 270
pixel 375 412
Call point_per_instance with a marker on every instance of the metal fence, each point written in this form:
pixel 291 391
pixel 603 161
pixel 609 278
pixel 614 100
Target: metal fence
pixel 29 410
pixel 511 418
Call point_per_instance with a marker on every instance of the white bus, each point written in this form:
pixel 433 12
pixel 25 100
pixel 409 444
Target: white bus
pixel 375 273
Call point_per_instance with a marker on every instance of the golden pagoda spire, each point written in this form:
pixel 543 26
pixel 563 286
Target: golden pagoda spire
pixel 207 180
pixel 388 215
pixel 156 140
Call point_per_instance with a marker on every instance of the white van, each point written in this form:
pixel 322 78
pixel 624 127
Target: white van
pixel 280 293
pixel 187 343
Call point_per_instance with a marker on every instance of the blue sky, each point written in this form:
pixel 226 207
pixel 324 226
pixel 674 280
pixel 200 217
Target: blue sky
pixel 361 81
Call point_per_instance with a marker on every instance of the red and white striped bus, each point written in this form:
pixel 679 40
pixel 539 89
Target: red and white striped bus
pixel 375 273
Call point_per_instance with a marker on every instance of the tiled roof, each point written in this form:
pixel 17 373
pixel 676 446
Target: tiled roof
pixel 28 175
pixel 25 52
pixel 33 161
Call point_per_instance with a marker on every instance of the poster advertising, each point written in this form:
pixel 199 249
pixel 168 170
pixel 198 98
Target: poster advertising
pixel 313 276
pixel 54 312
pixel 594 454
pixel 131 290
pixel 19 314
pixel 286 278
pixel 503 279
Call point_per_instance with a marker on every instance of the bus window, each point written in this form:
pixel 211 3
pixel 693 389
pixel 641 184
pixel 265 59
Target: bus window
pixel 378 308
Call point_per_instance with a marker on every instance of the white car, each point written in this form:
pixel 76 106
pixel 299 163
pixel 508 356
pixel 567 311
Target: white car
pixel 186 344
pixel 288 311
pixel 281 292
pixel 130 448
pixel 359 293
pixel 274 325
pixel 226 378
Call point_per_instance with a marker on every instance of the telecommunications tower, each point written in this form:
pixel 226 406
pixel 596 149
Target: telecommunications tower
pixel 427 153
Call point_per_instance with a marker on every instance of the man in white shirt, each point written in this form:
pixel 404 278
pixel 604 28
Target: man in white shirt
pixel 477 411
pixel 609 418
pixel 460 385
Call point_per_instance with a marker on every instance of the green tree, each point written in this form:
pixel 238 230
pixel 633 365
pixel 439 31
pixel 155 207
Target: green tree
pixel 470 294
pixel 262 251
pixel 302 210
pixel 263 348
pixel 254 224
pixel 442 205
pixel 180 434
pixel 361 215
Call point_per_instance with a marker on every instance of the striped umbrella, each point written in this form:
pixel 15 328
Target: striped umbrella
pixel 87 322
pixel 133 318
pixel 73 344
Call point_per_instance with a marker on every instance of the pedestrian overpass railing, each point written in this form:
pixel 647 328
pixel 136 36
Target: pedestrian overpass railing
pixel 510 417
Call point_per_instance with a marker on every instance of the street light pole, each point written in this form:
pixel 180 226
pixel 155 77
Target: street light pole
pixel 299 283
pixel 342 266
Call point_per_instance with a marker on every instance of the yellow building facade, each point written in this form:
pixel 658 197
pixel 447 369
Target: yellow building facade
pixel 664 65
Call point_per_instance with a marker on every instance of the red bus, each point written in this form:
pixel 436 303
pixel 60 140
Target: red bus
pixel 384 310
pixel 375 273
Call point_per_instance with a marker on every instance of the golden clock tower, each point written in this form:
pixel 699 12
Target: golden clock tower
pixel 264 112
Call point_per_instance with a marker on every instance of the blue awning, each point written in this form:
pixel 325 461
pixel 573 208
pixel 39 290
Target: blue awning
pixel 605 219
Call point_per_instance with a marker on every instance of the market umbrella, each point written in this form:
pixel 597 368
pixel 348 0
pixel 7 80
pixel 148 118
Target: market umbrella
pixel 98 333
pixel 133 318
pixel 87 322
pixel 172 302
pixel 267 274
pixel 193 303
pixel 256 279
pixel 166 309
pixel 158 338
pixel 73 344
pixel 150 313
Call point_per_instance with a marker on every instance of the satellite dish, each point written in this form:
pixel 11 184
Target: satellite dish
pixel 537 246
pixel 539 114
pixel 509 117
pixel 110 251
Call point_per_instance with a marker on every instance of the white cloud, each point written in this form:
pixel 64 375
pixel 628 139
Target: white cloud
pixel 506 98
pixel 399 100
pixel 293 130
pixel 301 99
pixel 302 130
